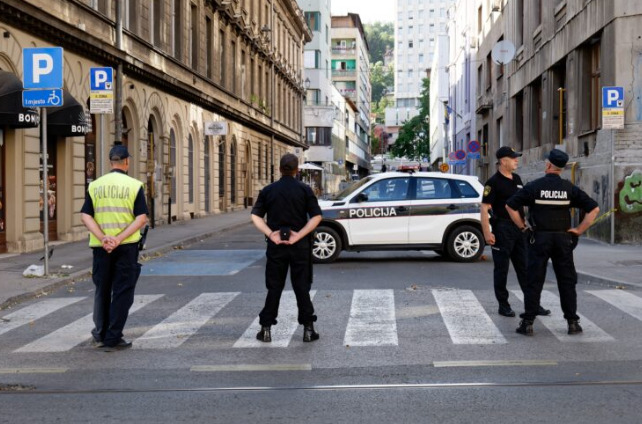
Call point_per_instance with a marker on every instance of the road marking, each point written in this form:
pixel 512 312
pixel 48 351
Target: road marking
pixel 69 336
pixel 559 327
pixel 33 370
pixel 251 367
pixel 34 312
pixel 507 363
pixel 281 333
pixel 182 324
pixel 372 319
pixel 465 318
pixel 626 302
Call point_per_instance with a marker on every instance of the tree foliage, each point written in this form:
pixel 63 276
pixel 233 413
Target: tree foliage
pixel 414 136
pixel 381 78
pixel 380 36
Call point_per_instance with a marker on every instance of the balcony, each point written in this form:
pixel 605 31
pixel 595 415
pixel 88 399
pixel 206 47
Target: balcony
pixel 484 104
pixel 344 73
pixel 350 93
pixel 344 51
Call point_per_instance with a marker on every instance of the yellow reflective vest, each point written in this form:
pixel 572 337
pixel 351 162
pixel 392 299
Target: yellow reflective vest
pixel 113 197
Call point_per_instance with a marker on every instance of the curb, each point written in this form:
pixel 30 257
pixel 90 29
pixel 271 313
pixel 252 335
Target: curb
pixel 590 279
pixel 85 273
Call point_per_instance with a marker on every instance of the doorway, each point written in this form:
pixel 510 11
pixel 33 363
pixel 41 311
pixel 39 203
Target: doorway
pixel 3 206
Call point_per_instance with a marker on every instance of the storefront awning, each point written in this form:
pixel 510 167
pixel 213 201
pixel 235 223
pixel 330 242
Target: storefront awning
pixel 68 120
pixel 12 114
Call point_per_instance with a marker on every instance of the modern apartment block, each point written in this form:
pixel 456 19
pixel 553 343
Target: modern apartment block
pixel 211 94
pixel 551 96
pixel 351 76
pixel 440 120
pixel 417 25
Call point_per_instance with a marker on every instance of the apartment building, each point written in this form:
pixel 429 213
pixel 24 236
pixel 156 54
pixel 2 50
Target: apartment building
pixel 351 76
pixel 550 96
pixel 211 94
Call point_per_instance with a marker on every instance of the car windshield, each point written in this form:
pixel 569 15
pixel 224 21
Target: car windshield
pixel 351 188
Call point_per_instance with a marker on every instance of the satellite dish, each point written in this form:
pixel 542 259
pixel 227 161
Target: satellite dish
pixel 503 52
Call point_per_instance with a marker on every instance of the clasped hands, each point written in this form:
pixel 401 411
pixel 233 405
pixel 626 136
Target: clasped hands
pixel 275 236
pixel 110 243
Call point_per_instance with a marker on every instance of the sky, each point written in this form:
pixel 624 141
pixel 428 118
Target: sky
pixel 369 10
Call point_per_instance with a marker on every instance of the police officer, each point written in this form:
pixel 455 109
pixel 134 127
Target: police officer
pixel 549 199
pixel 508 243
pixel 292 214
pixel 114 211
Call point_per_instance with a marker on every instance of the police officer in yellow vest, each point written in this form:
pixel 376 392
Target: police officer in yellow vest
pixel 114 212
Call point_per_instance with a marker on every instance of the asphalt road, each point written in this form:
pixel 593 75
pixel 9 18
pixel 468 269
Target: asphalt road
pixel 405 337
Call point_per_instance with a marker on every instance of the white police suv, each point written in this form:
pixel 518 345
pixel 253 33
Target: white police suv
pixel 403 211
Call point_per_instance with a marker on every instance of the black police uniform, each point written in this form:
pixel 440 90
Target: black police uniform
pixel 115 275
pixel 550 199
pixel 287 203
pixel 510 241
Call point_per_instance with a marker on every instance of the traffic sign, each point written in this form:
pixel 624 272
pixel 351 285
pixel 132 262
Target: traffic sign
pixel 101 79
pixel 612 108
pixel 42 68
pixel 612 97
pixel 474 149
pixel 460 155
pixel 42 98
pixel 444 167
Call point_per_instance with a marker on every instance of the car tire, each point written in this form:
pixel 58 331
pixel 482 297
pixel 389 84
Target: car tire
pixel 326 245
pixel 465 244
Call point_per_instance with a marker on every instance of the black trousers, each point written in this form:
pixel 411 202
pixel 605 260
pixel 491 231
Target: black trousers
pixel 510 246
pixel 557 246
pixel 115 275
pixel 298 260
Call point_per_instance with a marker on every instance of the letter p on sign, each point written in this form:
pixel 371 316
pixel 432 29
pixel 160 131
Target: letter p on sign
pixel 42 68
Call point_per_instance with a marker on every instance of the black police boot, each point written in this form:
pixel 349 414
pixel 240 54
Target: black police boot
pixel 543 312
pixel 525 327
pixel 309 335
pixel 265 335
pixel 574 326
pixel 506 311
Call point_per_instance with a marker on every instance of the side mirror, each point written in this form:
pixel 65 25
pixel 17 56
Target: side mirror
pixel 362 197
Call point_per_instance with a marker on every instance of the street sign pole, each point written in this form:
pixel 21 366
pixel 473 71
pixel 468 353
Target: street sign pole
pixel 101 146
pixel 45 188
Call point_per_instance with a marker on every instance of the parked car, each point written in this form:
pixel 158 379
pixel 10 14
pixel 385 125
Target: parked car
pixel 403 211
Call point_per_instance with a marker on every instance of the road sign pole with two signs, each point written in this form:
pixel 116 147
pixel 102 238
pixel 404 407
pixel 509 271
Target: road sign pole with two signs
pixel 101 102
pixel 42 70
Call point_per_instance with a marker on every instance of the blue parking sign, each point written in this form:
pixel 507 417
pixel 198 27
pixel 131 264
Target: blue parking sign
pixel 42 68
pixel 612 97
pixel 101 79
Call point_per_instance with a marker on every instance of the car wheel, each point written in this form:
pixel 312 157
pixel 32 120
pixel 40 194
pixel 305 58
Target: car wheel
pixel 465 244
pixel 326 246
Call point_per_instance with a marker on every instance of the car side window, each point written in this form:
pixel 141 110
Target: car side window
pixel 466 189
pixel 387 190
pixel 433 188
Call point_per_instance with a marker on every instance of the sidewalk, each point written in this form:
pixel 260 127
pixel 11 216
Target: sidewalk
pixel 596 263
pixel 14 287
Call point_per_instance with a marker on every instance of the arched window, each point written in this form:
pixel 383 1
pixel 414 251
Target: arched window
pixel 206 174
pixel 260 161
pixel 267 163
pixel 190 168
pixel 233 172
pixel 221 168
pixel 172 164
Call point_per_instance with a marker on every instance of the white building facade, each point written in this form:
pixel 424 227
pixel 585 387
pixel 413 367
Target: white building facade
pixel 439 97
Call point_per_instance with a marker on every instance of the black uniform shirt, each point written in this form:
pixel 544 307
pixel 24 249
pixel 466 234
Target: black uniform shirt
pixel 287 203
pixel 497 190
pixel 140 206
pixel 548 213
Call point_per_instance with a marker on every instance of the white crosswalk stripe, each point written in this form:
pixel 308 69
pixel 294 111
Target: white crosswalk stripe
pixel 69 336
pixel 179 326
pixel 372 319
pixel 281 333
pixel 33 312
pixel 627 302
pixel 465 318
pixel 559 328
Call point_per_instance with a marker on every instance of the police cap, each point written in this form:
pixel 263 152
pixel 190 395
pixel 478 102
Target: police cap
pixel 507 152
pixel 557 158
pixel 118 152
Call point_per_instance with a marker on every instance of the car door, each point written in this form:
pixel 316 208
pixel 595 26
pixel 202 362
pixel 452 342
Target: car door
pixel 378 214
pixel 435 204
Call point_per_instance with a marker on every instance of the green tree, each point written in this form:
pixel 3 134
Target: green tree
pixel 414 135
pixel 380 36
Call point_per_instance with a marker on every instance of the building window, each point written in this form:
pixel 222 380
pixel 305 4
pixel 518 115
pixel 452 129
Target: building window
pixel 537 13
pixel 519 23
pixel 172 164
pixel 209 47
pixel 233 53
pixel 267 161
pixel 130 14
pixel 410 44
pixel 312 59
pixel 193 37
pixel 489 72
pixel 593 90
pixel 313 19
pixel 319 136
pixel 221 58
pixel 156 23
pixel 177 29
pixel 536 113
pixel 190 168
pixel 221 168
pixel 519 121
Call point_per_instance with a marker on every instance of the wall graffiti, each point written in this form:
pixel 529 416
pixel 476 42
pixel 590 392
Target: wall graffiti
pixel 631 193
